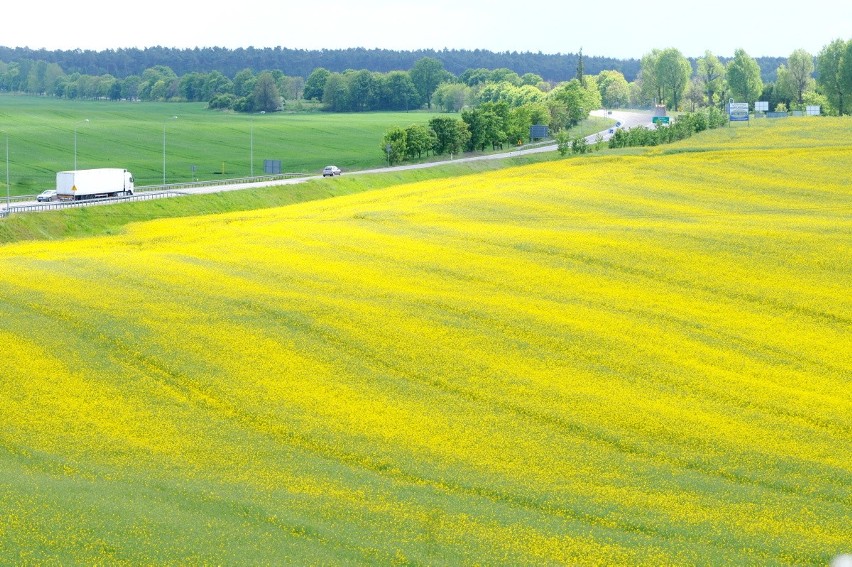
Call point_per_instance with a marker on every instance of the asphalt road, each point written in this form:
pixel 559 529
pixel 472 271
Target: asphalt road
pixel 627 119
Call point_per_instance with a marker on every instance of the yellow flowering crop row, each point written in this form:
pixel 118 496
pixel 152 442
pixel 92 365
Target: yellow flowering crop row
pixel 632 360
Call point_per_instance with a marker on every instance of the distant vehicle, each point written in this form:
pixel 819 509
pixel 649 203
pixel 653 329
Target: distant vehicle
pixel 330 171
pixel 47 195
pixel 612 130
pixel 94 183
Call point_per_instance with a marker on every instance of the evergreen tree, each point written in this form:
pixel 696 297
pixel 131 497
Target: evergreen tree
pixel 267 97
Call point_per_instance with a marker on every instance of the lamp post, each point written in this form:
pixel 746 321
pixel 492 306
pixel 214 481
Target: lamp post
pixel 8 196
pixel 251 145
pixel 75 142
pixel 164 150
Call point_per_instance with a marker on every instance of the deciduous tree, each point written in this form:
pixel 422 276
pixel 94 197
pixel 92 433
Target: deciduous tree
pixel 363 90
pixel 835 73
pixel 614 89
pixel 400 92
pixel 267 97
pixel 800 67
pixel 712 74
pixel 743 74
pixel 426 75
pixel 673 73
pixel 451 134
pixel 394 145
pixel 419 140
pixel 335 96
pixel 578 100
pixel 647 80
pixel 244 82
pixel 315 84
pixel 451 97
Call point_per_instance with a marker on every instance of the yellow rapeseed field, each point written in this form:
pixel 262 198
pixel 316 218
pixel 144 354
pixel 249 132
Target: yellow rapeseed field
pixel 611 360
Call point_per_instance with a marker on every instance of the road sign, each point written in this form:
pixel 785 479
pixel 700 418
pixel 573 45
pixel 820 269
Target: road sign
pixel 660 119
pixel 738 112
pixel 272 166
pixel 538 131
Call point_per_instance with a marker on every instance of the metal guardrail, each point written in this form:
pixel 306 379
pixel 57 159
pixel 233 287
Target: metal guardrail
pixel 16 198
pixel 219 182
pixel 141 193
pixel 57 205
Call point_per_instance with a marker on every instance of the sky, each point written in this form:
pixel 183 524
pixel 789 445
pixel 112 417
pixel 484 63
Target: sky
pixel 616 28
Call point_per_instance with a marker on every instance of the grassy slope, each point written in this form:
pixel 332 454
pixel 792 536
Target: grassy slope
pixel 636 359
pixel 130 135
pixel 109 220
pixel 41 134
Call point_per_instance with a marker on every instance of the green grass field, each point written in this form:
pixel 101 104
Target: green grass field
pixel 199 143
pixel 217 144
pixel 632 358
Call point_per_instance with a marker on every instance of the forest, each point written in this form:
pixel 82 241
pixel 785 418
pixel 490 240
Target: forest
pixel 357 80
pixel 122 63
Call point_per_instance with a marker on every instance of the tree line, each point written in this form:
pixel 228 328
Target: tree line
pixel 664 77
pixel 667 77
pixel 121 63
pixel 244 91
pixel 499 106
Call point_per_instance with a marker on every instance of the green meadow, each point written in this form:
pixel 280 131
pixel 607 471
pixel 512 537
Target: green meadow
pixel 199 143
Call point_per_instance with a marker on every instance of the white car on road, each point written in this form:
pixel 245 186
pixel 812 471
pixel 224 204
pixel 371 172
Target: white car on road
pixel 47 195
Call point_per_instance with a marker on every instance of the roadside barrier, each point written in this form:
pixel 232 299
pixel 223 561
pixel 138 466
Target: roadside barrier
pixel 141 193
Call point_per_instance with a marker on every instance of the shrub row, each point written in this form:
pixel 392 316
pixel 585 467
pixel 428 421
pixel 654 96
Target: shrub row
pixel 683 127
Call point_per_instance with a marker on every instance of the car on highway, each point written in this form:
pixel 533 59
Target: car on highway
pixel 331 171
pixel 47 195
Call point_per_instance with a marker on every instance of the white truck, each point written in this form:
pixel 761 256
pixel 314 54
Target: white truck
pixel 93 184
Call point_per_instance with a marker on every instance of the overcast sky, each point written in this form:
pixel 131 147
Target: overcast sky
pixel 615 29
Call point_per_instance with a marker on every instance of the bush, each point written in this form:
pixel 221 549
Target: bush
pixel 683 127
pixel 563 142
pixel 700 122
pixel 222 102
pixel 580 146
pixel 716 118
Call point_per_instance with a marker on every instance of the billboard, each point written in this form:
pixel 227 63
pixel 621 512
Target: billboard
pixel 761 106
pixel 738 111
pixel 272 166
pixel 538 131
pixel 812 110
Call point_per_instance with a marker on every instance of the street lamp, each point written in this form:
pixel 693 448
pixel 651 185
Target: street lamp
pixel 75 143
pixel 164 150
pixel 8 197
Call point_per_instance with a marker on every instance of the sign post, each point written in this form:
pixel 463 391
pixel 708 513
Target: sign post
pixel 538 131
pixel 737 112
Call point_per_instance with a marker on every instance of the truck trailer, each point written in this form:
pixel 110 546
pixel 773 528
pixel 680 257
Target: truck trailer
pixel 93 184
